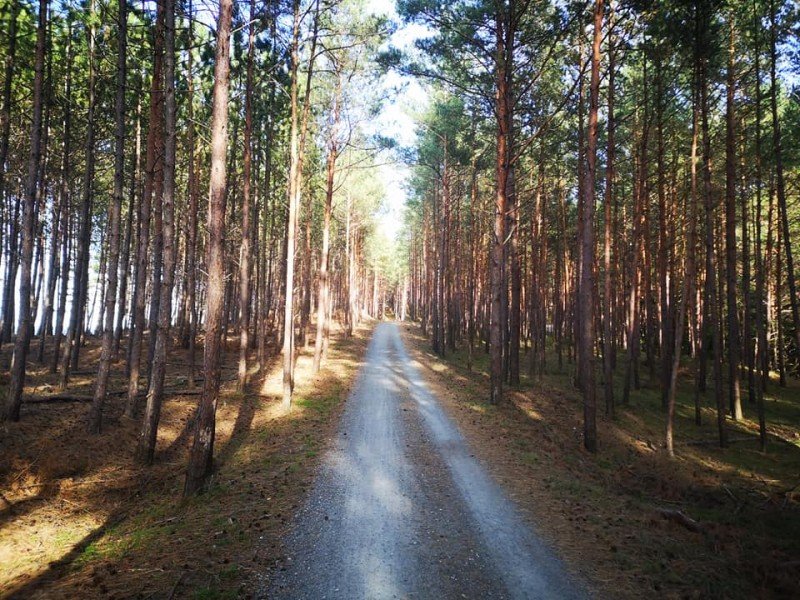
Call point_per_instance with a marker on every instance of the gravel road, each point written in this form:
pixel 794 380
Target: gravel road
pixel 401 509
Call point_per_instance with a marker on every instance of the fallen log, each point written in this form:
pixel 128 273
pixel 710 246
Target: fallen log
pixel 57 398
pixel 715 442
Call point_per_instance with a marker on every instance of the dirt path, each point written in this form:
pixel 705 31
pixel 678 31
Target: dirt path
pixel 401 509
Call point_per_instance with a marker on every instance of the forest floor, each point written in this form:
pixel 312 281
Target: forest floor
pixel 79 519
pixel 605 513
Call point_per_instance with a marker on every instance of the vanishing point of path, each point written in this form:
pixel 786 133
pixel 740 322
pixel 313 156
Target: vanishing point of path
pixel 401 509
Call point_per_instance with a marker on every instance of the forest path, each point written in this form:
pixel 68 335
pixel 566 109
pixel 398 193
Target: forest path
pixel 401 509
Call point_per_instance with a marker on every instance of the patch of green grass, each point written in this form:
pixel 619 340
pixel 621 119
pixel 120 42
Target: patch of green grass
pixel 65 537
pixel 213 593
pixel 320 404
pixel 229 572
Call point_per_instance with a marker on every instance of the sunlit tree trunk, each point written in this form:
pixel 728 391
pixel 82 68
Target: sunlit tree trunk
pixel 202 453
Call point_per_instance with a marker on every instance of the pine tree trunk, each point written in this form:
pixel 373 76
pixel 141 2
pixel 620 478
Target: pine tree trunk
pixel 587 283
pixel 13 400
pixel 191 242
pixel 713 322
pixel 5 134
pixel 201 458
pixel 608 326
pixel 81 275
pixel 503 81
pixel 115 210
pixel 734 348
pixel 780 181
pixel 155 125
pixel 244 252
pixel 155 395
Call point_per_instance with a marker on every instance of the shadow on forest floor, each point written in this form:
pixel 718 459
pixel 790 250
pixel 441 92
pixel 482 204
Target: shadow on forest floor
pixel 100 526
pixel 605 512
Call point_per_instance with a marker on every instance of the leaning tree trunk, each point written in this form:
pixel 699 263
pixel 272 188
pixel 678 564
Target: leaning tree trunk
pixel 201 458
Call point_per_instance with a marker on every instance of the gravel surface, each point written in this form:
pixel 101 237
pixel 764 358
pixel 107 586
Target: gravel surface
pixel 401 509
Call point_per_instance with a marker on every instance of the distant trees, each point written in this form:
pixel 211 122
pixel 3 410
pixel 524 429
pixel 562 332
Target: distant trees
pixel 673 115
pixel 673 155
pixel 108 244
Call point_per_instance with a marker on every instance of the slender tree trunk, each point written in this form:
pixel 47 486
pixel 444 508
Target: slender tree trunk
pixel 64 200
pixel 665 309
pixel 503 84
pixel 155 395
pixel 13 400
pixel 294 201
pixel 115 210
pixel 126 247
pixel 587 249
pixel 81 280
pixel 5 134
pixel 780 181
pixel 244 252
pixel 201 458
pixel 191 242
pixel 323 298
pixel 694 309
pixel 734 349
pixel 298 131
pixel 155 124
pixel 711 301
pixel 760 359
pixel 608 326
pixel 678 338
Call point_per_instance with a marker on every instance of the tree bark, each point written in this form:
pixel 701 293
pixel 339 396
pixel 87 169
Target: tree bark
pixel 115 210
pixel 201 458
pixel 81 278
pixel 13 400
pixel 503 88
pixel 155 126
pixel 147 436
pixel 780 180
pixel 734 348
pixel 244 252
pixel 587 249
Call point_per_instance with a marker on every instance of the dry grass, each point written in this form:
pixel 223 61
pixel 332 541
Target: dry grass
pixel 79 519
pixel 601 512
